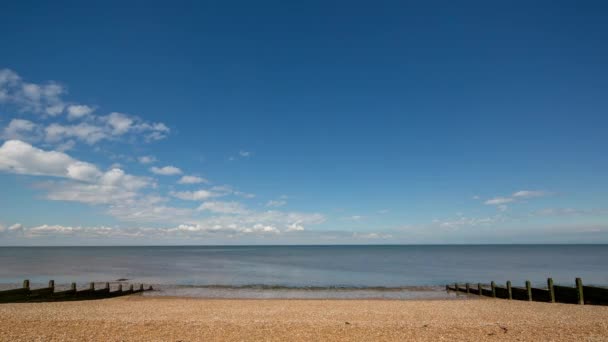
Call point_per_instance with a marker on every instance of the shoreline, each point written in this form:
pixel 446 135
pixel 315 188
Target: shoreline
pixel 143 318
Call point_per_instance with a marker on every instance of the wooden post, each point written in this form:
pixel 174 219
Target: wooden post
pixel 493 285
pixel 579 291
pixel 73 287
pixel 52 285
pixel 131 287
pixel 119 287
pixel 92 286
pixel 551 291
pixel 509 291
pixel 26 284
pixel 456 287
pixel 447 288
pixel 529 290
pixel 141 287
pixel 150 288
pixel 479 289
pixel 467 287
pixel 107 286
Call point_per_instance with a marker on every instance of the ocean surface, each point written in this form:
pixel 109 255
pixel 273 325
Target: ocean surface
pixel 305 271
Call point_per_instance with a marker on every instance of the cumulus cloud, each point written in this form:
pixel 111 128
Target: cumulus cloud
pixel 47 99
pixel 22 158
pixel 86 132
pixel 21 129
pixel 84 181
pixel 31 97
pixel 166 170
pixel 223 207
pixel 78 111
pixel 192 180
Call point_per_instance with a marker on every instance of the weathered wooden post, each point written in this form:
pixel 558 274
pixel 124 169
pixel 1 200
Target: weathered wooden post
pixel 479 289
pixel 551 290
pixel 509 291
pixel 92 286
pixel 150 288
pixel 119 287
pixel 447 288
pixel 467 287
pixel 579 291
pixel 493 285
pixel 131 288
pixel 52 285
pixel 456 287
pixel 73 287
pixel 141 287
pixel 107 286
pixel 26 284
pixel 529 290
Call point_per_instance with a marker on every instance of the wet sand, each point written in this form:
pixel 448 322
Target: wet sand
pixel 137 318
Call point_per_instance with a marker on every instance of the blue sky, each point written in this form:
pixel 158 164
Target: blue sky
pixel 313 122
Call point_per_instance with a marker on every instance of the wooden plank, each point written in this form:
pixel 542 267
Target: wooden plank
pixel 565 294
pixel 540 295
pixel 501 292
pixel 519 293
pixel 596 295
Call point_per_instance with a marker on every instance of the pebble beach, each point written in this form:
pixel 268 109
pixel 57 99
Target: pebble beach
pixel 137 318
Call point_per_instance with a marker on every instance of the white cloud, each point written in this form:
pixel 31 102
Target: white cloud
pixel 223 207
pixel 371 236
pixel 20 129
pixel 244 153
pixel 499 201
pixel 193 195
pixel 355 218
pixel 463 221
pixel 78 111
pixel 225 190
pixel 529 194
pixel 147 159
pixel 17 227
pixel 85 182
pixel 30 97
pixel 86 132
pixel 192 180
pixel 22 158
pixel 166 170
pixel 276 203
pixel 119 122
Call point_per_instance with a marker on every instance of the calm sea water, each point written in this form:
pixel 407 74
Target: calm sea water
pixel 306 271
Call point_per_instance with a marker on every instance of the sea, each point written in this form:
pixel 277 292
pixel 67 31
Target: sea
pixel 349 272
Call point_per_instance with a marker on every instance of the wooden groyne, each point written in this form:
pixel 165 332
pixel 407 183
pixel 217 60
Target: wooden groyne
pixel 579 294
pixel 48 294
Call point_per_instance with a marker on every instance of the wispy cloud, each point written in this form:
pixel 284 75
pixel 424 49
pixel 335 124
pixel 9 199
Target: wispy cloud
pixel 501 202
pixel 147 159
pixel 166 170
pixel 192 180
pixel 276 203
